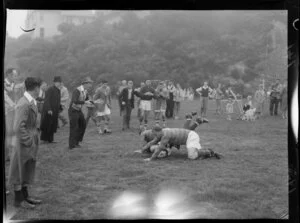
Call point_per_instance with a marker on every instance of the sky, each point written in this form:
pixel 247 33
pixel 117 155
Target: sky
pixel 15 19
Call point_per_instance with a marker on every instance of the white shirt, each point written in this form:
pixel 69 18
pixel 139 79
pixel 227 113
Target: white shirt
pixel 81 89
pixel 129 93
pixel 29 97
pixel 64 95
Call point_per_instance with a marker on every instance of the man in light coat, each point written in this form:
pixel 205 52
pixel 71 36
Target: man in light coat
pixel 64 93
pixel 25 145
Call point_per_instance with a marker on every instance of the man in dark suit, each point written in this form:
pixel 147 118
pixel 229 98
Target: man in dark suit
pixel 50 112
pixel 77 120
pixel 127 104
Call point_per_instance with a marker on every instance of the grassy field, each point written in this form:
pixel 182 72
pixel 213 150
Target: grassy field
pixel 249 182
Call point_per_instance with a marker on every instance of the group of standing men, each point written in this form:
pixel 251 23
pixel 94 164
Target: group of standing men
pixel 164 100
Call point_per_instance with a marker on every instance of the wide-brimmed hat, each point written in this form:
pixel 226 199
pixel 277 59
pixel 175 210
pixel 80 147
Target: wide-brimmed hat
pixel 57 79
pixel 87 80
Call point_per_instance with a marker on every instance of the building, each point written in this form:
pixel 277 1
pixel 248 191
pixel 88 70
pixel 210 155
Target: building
pixel 46 22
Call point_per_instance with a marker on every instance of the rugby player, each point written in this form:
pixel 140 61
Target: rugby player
pixel 178 136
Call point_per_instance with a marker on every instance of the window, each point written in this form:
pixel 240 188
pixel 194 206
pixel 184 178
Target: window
pixel 42 32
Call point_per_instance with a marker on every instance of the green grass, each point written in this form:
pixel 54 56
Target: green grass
pixel 249 182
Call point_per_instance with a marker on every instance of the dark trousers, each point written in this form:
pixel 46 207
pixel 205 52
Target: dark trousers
pixel 47 136
pixel 126 112
pixel 274 106
pixel 170 109
pixel 77 127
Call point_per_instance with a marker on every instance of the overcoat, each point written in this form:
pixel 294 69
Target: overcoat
pixel 25 143
pixel 49 123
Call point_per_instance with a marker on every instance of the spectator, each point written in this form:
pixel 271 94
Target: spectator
pixel 127 102
pixel 77 120
pixel 24 155
pixel 102 100
pixel 204 92
pixel 177 100
pixel 170 101
pixel 275 97
pixel 51 109
pixel 218 97
pixel 260 100
pixel 121 87
pixel 63 102
pixel 146 94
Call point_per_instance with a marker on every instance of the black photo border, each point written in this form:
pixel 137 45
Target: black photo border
pixel 292 7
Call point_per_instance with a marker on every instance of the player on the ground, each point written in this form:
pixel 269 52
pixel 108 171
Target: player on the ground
pixel 178 136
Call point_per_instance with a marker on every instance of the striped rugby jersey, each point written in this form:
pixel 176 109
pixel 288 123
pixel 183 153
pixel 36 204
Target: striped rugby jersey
pixel 176 136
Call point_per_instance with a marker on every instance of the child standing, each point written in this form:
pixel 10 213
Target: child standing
pixel 229 108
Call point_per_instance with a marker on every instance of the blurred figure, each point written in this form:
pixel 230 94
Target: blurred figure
pixel 102 101
pixel 284 100
pixel 178 97
pixel 275 97
pixel 204 92
pixel 161 103
pixel 170 101
pixel 260 97
pixel 229 108
pixel 146 94
pixel 139 100
pixel 51 109
pixel 40 101
pixel 120 89
pixel 127 102
pixel 9 84
pixel 218 96
pixel 77 120
pixel 190 94
pixel 63 102
pixel 26 144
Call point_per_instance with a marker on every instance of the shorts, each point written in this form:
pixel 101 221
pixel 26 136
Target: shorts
pixel 193 145
pixel 145 105
pixel 105 112
pixel 160 105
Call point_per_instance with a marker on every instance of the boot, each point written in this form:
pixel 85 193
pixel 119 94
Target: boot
pixel 30 200
pixel 19 201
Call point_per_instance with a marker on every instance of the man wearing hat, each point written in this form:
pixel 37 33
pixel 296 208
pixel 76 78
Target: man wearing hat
pixel 77 120
pixel 50 112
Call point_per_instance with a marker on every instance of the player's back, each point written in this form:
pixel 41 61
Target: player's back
pixel 176 136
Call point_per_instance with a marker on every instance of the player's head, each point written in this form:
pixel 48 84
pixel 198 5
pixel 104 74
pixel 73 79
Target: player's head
pixel 157 131
pixel 142 84
pixel 249 97
pixel 147 135
pixel 205 83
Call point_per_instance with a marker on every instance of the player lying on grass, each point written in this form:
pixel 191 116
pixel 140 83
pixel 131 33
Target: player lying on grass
pixel 190 124
pixel 178 136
